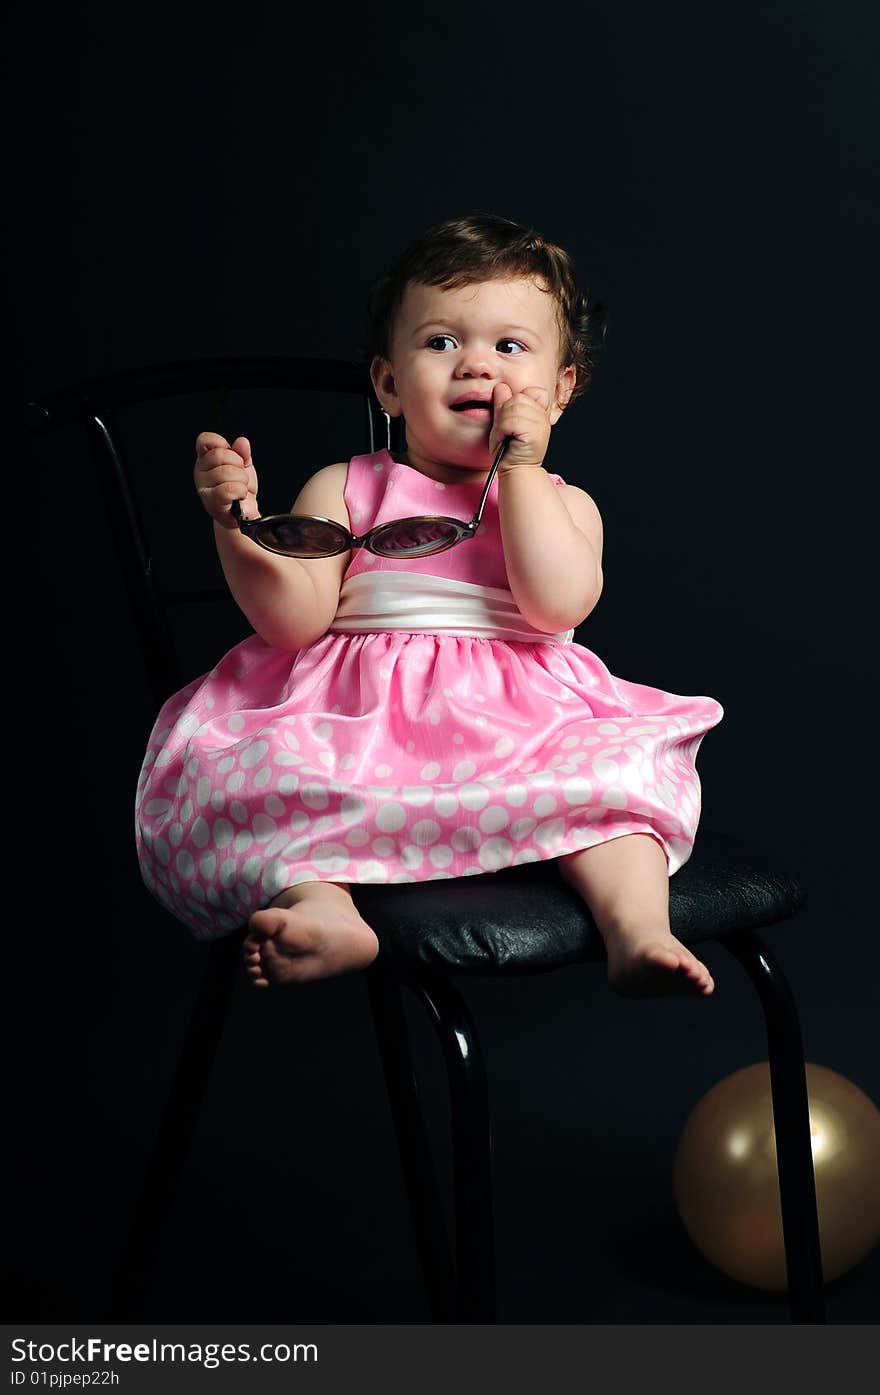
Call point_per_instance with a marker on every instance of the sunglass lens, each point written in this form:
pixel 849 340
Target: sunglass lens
pixel 418 538
pixel 299 537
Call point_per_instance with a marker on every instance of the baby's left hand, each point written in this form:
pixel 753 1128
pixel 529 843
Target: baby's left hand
pixel 524 417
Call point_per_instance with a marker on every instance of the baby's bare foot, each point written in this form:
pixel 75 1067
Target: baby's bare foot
pixel 311 931
pixel 648 964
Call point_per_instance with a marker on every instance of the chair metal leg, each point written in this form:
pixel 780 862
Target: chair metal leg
pixel 471 1144
pixel 791 1117
pixel 419 1174
pixel 175 1129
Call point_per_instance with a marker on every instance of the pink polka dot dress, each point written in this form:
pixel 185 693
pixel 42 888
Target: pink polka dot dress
pixel 430 733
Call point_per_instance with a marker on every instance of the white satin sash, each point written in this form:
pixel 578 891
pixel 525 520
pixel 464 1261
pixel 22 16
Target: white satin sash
pixel 422 604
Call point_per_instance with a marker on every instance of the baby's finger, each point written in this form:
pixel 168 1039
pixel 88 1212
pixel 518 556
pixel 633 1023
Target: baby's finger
pixel 219 465
pixel 221 493
pixel 242 446
pixel 540 395
pixel 217 499
pixel 209 440
pixel 501 395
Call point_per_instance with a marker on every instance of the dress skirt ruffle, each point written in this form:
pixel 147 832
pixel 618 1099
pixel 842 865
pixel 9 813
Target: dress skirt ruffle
pixel 389 757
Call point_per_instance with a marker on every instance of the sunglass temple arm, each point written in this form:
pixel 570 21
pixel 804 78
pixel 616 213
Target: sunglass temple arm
pixel 475 521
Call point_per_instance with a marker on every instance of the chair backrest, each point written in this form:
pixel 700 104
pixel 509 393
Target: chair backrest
pixel 225 394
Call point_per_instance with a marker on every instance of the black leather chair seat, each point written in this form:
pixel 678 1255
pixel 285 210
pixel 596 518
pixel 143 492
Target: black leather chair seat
pixel 526 919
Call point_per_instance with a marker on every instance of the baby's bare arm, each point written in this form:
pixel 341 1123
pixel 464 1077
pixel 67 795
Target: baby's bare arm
pixel 552 537
pixel 289 602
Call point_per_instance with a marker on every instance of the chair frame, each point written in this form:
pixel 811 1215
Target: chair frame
pixel 459 1275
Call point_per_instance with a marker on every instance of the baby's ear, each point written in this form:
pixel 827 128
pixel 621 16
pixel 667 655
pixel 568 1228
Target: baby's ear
pixel 384 386
pixel 565 383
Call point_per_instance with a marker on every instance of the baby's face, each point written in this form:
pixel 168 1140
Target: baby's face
pixel 452 347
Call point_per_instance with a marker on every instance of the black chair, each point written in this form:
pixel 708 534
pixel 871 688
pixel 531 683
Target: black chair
pixel 524 920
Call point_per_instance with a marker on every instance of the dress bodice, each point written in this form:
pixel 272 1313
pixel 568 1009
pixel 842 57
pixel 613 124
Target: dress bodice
pixel 463 590
pixel 380 489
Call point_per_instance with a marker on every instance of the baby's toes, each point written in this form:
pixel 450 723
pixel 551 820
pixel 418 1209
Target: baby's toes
pixel 699 974
pixel 252 961
pixel 263 925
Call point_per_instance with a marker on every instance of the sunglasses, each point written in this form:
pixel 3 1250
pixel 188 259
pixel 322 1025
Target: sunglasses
pixel 309 536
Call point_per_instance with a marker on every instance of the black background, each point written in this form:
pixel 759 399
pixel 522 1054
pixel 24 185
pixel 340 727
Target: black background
pixel 196 184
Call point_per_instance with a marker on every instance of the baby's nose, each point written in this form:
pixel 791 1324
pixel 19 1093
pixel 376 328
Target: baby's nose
pixel 474 365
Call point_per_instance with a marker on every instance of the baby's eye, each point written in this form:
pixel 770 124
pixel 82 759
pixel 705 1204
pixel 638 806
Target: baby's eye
pixel 515 347
pixel 439 341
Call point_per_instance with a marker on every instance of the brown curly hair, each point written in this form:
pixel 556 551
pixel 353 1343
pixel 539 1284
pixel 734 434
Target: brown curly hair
pixel 481 247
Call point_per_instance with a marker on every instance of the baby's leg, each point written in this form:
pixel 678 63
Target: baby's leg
pixel 625 883
pixel 311 930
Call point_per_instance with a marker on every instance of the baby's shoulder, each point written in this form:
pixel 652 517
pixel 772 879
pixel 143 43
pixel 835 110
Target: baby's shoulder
pixel 583 510
pixel 330 474
pixel 324 492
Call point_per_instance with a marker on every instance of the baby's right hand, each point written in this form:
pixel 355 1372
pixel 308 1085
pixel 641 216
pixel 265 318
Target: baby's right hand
pixel 225 472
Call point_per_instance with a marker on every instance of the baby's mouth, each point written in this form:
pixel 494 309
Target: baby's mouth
pixel 476 408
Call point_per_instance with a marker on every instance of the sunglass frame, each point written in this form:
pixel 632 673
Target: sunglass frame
pixel 348 540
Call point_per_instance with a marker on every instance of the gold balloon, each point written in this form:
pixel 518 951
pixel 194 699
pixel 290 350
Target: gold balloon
pixel 727 1187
